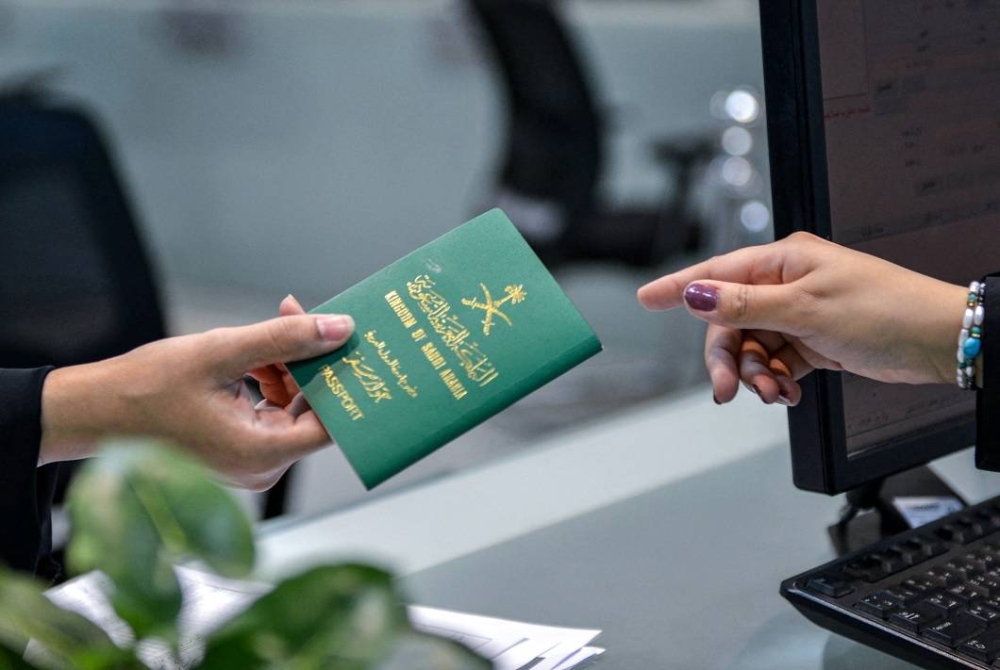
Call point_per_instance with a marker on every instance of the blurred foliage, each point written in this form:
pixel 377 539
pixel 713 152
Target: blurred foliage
pixel 139 509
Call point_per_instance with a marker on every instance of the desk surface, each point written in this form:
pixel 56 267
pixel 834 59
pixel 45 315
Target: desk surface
pixel 678 561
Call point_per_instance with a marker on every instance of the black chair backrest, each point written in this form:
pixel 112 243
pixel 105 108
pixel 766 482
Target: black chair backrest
pixel 75 282
pixel 554 148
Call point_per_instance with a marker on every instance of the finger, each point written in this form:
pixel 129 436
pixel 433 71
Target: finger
pixel 306 436
pixel 785 365
pixel 774 307
pixel 268 374
pixel 784 357
pixel 276 394
pixel 751 265
pixel 754 370
pixel 722 346
pixel 794 366
pixel 791 392
pixel 289 338
pixel 298 406
pixel 290 306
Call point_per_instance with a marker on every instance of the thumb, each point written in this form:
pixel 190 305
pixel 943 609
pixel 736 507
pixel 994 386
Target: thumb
pixel 743 306
pixel 281 340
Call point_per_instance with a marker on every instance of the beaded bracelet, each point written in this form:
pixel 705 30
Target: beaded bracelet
pixel 969 339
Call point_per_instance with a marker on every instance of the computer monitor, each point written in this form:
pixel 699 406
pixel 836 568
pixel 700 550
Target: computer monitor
pixel 884 128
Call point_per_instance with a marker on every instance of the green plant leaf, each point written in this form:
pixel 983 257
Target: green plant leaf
pixel 342 617
pixel 418 651
pixel 139 508
pixel 68 639
pixel 11 660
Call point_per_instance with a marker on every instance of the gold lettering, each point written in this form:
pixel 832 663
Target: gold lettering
pixel 450 380
pixel 373 385
pixel 454 336
pixel 433 355
pixel 419 335
pixel 341 393
pixel 385 354
pixel 400 308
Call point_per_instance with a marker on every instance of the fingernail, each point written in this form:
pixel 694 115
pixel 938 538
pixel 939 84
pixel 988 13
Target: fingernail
pixel 756 389
pixel 335 328
pixel 701 298
pixel 752 389
pixel 784 400
pixel 294 300
pixel 715 399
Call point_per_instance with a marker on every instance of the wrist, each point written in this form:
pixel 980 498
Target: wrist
pixel 73 401
pixel 953 302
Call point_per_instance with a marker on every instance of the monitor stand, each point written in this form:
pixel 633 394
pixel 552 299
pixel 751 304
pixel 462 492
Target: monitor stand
pixel 876 510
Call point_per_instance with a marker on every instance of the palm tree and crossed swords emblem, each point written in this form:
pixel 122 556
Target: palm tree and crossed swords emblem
pixel 515 294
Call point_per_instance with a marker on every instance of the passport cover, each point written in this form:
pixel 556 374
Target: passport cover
pixel 445 338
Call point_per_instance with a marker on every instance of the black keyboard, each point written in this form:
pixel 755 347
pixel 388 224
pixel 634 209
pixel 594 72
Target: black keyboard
pixel 930 596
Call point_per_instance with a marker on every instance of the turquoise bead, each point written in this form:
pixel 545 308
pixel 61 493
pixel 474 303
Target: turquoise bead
pixel 971 348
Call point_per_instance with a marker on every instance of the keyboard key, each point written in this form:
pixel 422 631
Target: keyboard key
pixel 967 591
pixel 988 518
pixel 965 570
pixel 954 631
pixel 980 561
pixel 988 615
pixel 961 530
pixel 990 586
pixel 916 550
pixel 877 605
pixel 866 568
pixel 982 647
pixel 941 577
pixel 893 561
pixel 828 585
pixel 944 602
pixel 903 595
pixel 919 584
pixel 917 617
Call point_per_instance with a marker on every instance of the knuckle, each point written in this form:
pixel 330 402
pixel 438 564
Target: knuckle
pixel 281 336
pixel 741 304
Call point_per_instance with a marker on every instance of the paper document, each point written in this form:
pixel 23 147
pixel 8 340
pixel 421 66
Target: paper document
pixel 210 601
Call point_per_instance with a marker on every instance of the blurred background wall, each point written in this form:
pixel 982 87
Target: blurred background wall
pixel 296 146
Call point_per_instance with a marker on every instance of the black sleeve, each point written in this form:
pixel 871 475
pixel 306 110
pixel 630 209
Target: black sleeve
pixel 988 397
pixel 25 489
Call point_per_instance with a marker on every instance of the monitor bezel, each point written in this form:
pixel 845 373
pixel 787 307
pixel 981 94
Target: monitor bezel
pixel 800 193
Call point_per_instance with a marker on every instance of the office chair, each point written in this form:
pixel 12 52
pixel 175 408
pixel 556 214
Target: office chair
pixel 549 178
pixel 75 283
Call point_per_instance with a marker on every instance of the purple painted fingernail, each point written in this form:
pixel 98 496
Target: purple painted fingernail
pixel 701 298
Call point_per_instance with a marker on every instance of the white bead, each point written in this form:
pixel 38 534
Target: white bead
pixel 974 287
pixel 963 335
pixel 970 372
pixel 967 318
pixel 979 315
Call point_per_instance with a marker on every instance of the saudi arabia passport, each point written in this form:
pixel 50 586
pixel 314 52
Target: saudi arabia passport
pixel 445 338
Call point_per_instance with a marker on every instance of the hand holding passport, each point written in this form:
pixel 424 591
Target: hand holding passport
pixel 445 338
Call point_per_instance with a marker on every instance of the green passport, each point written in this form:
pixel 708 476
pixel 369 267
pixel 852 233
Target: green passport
pixel 445 338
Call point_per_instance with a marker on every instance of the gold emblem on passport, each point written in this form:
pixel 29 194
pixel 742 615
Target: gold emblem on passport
pixel 515 295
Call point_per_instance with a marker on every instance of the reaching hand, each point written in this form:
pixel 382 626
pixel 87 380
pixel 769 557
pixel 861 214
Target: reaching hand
pixel 778 311
pixel 191 389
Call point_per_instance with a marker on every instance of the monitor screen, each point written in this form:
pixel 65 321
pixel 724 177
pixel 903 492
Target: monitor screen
pixel 892 108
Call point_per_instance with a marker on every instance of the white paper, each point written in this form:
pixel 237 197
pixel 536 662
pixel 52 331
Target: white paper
pixel 210 601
